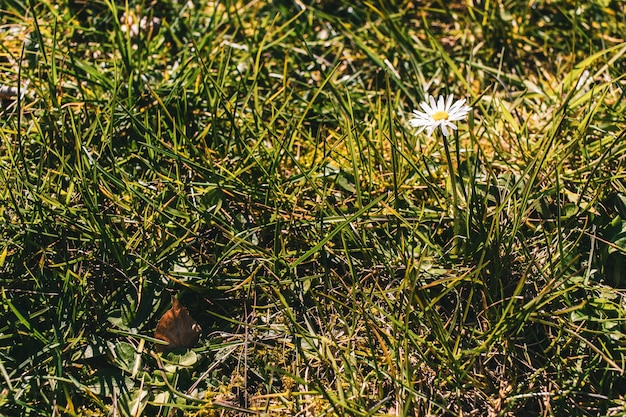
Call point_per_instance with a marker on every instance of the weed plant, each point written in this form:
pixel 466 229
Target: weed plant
pixel 256 159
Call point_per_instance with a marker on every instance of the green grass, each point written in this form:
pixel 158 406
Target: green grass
pixel 256 159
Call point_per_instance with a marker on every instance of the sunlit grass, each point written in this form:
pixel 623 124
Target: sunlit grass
pixel 257 160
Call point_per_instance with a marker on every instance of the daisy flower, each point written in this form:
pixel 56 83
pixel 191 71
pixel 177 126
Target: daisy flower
pixel 441 113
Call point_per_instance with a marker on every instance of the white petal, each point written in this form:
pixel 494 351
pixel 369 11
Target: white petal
pixel 420 119
pixel 456 116
pixel 458 112
pixel 449 102
pixel 426 108
pixel 440 104
pixel 433 104
pixel 457 105
pixel 419 114
pixel 418 122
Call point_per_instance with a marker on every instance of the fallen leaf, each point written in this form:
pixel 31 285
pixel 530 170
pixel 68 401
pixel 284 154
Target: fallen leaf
pixel 177 328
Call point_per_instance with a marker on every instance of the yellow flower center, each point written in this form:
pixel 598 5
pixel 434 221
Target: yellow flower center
pixel 440 115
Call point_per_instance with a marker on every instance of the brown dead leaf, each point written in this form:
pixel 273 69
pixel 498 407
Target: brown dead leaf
pixel 177 328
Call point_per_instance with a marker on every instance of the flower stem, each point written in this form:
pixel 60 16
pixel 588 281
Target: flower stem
pixel 456 225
